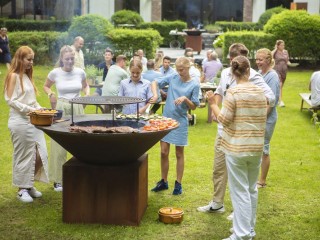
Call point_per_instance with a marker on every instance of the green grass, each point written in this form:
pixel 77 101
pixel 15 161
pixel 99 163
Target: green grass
pixel 288 208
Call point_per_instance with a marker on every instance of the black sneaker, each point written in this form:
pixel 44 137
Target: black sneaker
pixel 177 188
pixel 161 185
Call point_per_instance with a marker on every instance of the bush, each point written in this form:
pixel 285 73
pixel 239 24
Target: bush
pixel 164 29
pixel 126 17
pixel 126 41
pixel 46 45
pixel 93 29
pixel 213 28
pixel 264 18
pixel 238 26
pixel 31 25
pixel 252 40
pixel 299 30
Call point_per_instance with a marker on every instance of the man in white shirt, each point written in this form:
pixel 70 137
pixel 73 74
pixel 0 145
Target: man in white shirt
pixel 314 87
pixel 78 57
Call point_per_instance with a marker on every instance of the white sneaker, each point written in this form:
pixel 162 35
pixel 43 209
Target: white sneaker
pixel 230 217
pixel 212 207
pixel 24 196
pixel 34 193
pixel 281 104
pixel 57 187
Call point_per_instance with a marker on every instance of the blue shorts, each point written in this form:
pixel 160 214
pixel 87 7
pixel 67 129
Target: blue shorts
pixel 267 137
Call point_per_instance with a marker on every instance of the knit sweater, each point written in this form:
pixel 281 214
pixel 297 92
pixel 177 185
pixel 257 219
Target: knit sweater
pixel 243 117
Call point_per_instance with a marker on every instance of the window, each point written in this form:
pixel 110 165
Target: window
pixel 133 5
pixel 202 11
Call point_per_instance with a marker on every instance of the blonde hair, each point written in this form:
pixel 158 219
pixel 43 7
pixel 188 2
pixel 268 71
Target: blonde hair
pixel 65 49
pixel 268 55
pixel 136 63
pixel 240 67
pixel 183 62
pixel 17 66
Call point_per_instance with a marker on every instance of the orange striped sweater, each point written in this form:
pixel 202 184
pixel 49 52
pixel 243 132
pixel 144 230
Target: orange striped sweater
pixel 243 117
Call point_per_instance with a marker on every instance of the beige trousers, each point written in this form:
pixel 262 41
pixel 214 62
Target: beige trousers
pixel 220 175
pixel 58 155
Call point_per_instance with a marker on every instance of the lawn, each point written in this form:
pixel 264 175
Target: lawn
pixel 289 208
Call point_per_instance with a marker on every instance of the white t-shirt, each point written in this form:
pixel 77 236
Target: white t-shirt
pixel 68 84
pixel 315 89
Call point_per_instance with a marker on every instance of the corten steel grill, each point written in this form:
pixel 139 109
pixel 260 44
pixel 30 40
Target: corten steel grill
pixel 107 179
pixel 106 100
pixel 104 148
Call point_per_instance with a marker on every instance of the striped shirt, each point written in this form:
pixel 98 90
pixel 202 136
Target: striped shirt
pixel 243 117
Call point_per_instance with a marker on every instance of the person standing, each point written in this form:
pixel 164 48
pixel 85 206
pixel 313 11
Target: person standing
pixel 5 56
pixel 69 81
pixel 77 46
pixel 105 66
pixel 116 74
pixel 220 176
pixel 265 63
pixel 281 58
pixel 243 117
pixel 183 94
pixel 30 157
pixel 137 87
pixel 151 75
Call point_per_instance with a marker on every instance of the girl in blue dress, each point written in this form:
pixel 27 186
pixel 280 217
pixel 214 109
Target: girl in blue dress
pixel 183 94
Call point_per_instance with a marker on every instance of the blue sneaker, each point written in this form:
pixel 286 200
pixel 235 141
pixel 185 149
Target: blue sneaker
pixel 161 185
pixel 177 188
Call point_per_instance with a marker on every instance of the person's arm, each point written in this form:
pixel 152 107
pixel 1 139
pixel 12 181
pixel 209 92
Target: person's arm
pixel 51 95
pixel 257 79
pixel 154 87
pixel 85 88
pixel 13 99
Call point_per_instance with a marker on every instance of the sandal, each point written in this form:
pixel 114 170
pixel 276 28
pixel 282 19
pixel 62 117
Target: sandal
pixel 261 185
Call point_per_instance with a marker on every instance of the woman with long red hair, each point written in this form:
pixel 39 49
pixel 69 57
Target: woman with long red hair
pixel 30 157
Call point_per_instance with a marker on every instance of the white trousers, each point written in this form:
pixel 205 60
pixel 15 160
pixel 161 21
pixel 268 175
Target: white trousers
pixel 243 175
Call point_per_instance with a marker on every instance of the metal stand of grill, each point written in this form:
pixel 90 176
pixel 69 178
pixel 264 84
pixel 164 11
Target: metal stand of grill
pixel 106 100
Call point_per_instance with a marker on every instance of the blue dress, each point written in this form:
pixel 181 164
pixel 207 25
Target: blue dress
pixel 176 89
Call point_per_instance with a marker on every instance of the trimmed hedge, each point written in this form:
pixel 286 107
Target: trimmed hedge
pixel 126 17
pixel 264 18
pixel 14 25
pixel 93 29
pixel 164 28
pixel 238 26
pixel 46 45
pixel 299 30
pixel 127 41
pixel 252 40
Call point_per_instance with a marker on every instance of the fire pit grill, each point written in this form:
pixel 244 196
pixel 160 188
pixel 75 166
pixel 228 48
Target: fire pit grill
pixel 106 100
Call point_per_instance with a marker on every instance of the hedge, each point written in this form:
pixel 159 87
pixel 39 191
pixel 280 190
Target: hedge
pixel 266 16
pixel 127 41
pixel 299 30
pixel 164 29
pixel 14 25
pixel 126 17
pixel 252 40
pixel 46 45
pixel 238 26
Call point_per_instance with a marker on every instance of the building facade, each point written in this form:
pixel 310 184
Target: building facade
pixel 191 11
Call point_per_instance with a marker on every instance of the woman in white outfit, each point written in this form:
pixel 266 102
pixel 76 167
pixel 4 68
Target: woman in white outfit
pixel 30 158
pixel 69 81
